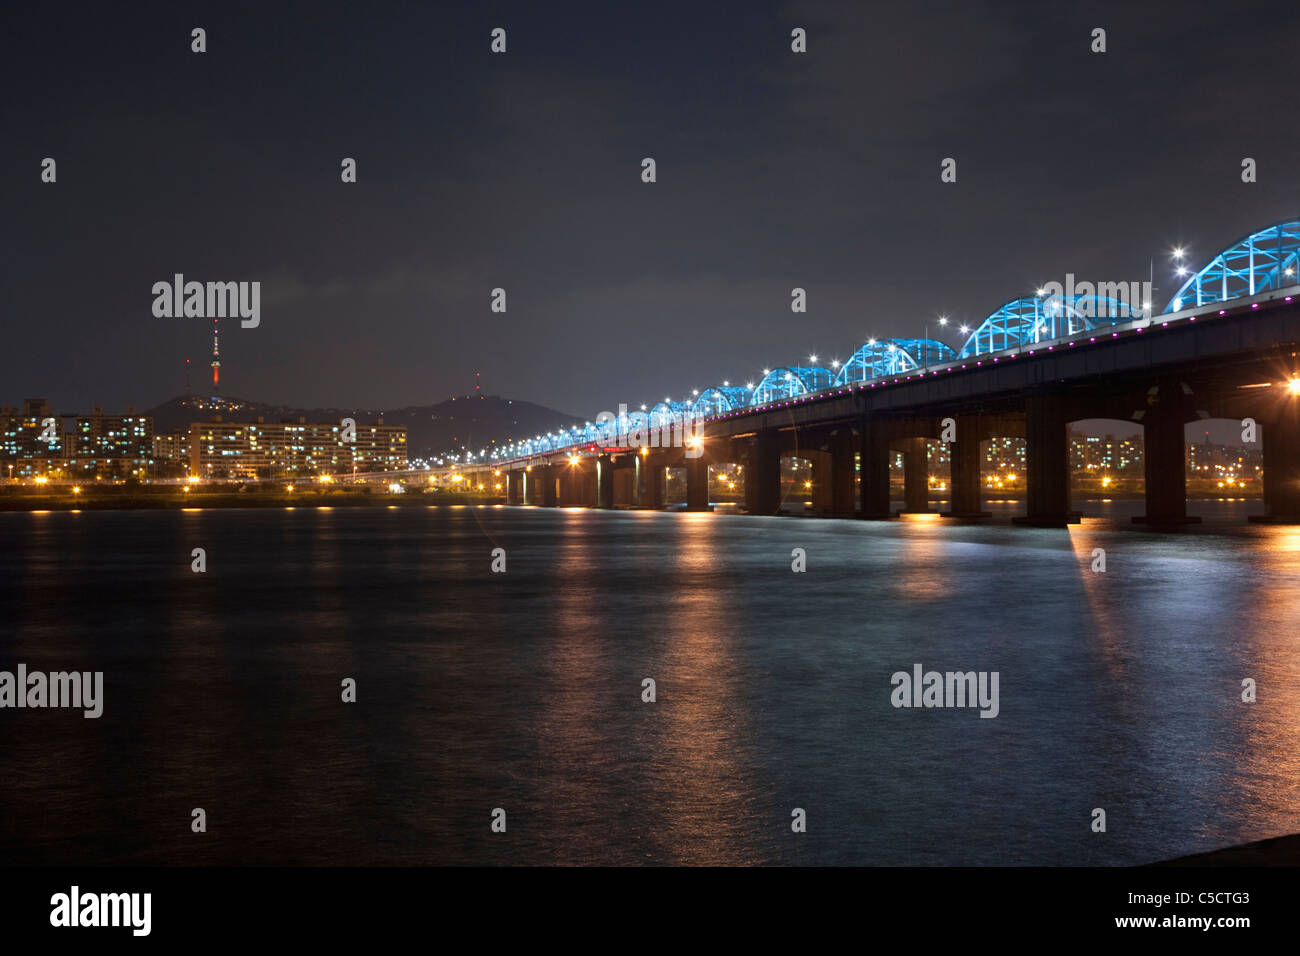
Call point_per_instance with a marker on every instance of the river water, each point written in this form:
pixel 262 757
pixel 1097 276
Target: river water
pixel 522 691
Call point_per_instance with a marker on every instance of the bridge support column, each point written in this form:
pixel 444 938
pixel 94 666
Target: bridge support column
pixel 763 474
pixel 515 487
pixel 1164 460
pixel 822 482
pixel 1282 466
pixel 605 482
pixel 697 484
pixel 625 474
pixel 873 452
pixel 569 486
pixel 1046 463
pixel 842 474
pixel 547 494
pixel 916 476
pixel 964 460
pixel 652 468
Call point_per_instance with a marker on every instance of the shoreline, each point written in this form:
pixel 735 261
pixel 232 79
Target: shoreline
pixel 156 502
pixel 153 501
pixel 1275 851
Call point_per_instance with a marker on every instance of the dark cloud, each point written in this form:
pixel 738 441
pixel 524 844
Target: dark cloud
pixel 522 171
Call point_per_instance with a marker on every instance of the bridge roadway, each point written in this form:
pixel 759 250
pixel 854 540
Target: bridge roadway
pixel 1234 360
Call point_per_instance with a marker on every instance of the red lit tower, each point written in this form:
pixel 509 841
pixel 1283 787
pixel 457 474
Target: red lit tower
pixel 216 358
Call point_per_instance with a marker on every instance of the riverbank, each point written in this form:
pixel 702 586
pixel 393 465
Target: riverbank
pixel 192 500
pixel 1278 851
pixel 100 499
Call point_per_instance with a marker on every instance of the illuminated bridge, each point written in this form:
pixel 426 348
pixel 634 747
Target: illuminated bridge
pixel 1225 346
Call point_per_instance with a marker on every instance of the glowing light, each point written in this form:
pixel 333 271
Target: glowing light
pixel 288 488
pixel 812 358
pixel 574 459
pixel 76 489
pixel 1294 386
pixel 41 479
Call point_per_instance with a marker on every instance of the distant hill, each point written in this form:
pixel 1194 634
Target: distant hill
pixel 472 421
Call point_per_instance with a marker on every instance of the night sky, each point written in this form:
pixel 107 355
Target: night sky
pixel 523 171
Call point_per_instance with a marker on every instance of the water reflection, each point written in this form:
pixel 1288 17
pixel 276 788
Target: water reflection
pixel 522 690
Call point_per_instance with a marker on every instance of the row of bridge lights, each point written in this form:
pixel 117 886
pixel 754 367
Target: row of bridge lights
pixel 835 364
pixel 964 329
pixel 1179 254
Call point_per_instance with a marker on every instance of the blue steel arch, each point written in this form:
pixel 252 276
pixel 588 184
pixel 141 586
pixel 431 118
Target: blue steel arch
pixel 1264 260
pixel 884 357
pixel 1033 318
pixel 925 352
pixel 877 358
pixel 637 425
pixel 721 399
pixel 666 414
pixel 791 381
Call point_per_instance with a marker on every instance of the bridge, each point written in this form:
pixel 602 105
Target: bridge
pixel 1225 346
